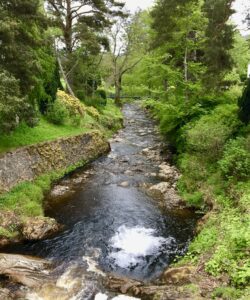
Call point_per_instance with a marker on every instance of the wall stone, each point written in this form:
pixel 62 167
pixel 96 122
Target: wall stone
pixel 27 163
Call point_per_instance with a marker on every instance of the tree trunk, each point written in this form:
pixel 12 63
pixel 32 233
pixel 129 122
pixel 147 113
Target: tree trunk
pixel 68 28
pixel 118 88
pixel 68 87
pixel 186 65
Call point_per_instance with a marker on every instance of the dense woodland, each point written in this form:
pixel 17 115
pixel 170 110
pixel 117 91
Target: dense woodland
pixel 62 61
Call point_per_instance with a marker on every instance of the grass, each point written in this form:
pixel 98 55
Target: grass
pixel 45 131
pixel 26 199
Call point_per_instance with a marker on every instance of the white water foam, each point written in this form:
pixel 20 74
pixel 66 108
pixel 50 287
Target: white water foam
pixel 131 245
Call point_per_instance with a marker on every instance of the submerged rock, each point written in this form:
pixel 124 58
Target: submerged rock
pixel 124 184
pixel 59 190
pixel 39 228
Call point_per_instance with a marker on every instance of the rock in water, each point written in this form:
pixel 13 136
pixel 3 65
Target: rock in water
pixel 39 228
pixel 26 270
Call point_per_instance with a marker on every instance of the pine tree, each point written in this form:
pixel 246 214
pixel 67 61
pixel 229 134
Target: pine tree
pixel 219 41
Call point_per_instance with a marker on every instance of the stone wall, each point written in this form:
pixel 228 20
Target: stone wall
pixel 27 163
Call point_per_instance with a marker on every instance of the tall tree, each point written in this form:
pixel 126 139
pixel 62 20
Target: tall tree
pixel 82 23
pixel 219 41
pixel 75 17
pixel 21 25
pixel 128 41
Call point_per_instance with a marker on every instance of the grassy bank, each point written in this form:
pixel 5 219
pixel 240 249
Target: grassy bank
pixel 107 119
pixel 213 155
pixel 26 199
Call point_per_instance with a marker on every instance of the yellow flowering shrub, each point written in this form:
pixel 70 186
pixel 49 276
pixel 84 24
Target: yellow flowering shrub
pixel 93 112
pixel 73 105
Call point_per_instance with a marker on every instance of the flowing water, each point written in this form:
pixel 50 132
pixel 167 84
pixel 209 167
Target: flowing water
pixel 110 222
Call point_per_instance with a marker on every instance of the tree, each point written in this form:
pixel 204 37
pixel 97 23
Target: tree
pixel 178 32
pixel 128 42
pixel 21 27
pixel 13 107
pixel 219 41
pixel 81 23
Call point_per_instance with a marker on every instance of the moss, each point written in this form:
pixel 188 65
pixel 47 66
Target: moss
pixel 7 233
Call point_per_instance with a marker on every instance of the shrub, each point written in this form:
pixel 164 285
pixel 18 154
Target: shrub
pixel 236 160
pixel 101 93
pixel 93 112
pixel 210 133
pixel 13 108
pixel 80 94
pixel 73 105
pixel 57 113
pixel 96 102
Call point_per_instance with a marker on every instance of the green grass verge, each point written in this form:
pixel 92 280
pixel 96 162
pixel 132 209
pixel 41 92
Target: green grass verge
pixel 110 121
pixel 26 199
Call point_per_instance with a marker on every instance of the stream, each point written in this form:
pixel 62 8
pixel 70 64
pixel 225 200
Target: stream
pixel 111 224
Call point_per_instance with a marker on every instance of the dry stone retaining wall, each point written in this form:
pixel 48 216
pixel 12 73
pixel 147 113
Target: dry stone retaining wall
pixel 27 163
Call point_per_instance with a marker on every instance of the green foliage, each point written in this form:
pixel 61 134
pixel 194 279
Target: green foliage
pixel 244 104
pixel 101 93
pixel 13 108
pixel 80 94
pixel 96 101
pixel 218 43
pixel 21 30
pixel 226 293
pixel 209 134
pixel 235 162
pixel 230 255
pixel 57 113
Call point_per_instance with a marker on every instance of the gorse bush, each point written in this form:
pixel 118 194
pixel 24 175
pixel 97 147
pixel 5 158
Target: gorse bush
pixel 235 162
pixel 73 105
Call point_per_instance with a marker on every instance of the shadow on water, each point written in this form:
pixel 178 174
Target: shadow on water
pixel 109 218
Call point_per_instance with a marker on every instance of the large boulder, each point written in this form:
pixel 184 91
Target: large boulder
pixel 39 228
pixel 168 173
pixel 178 275
pixel 26 270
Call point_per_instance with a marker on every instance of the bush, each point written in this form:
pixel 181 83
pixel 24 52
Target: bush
pixel 210 133
pixel 236 160
pixel 72 104
pixel 101 93
pixel 96 102
pixel 57 113
pixel 13 108
pixel 93 112
pixel 80 94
